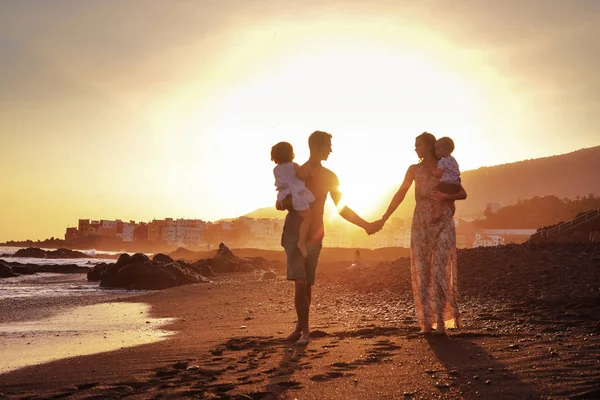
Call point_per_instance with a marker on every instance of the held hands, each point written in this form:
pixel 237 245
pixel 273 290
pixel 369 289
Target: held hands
pixel 374 227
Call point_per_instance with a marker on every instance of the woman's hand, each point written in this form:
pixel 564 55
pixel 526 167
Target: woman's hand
pixel 437 197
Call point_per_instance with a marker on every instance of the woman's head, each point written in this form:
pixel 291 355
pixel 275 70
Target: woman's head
pixel 425 146
pixel 282 153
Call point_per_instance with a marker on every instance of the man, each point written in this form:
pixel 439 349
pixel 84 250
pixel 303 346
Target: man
pixel 321 182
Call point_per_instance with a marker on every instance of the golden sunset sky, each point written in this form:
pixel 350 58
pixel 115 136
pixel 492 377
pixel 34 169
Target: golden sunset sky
pixel 141 109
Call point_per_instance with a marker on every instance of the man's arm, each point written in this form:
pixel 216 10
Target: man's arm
pixel 346 212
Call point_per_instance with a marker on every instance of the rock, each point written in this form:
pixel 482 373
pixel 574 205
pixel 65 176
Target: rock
pixel 6 271
pixel 162 258
pixel 139 258
pixel 23 269
pixel 34 252
pixel 96 272
pixel 30 252
pixel 139 273
pixel 268 275
pixel 123 259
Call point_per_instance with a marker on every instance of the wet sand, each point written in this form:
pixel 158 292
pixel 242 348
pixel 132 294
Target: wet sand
pixel 79 331
pixel 531 331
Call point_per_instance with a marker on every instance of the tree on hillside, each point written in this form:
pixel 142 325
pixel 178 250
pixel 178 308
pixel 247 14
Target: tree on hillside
pixel 538 212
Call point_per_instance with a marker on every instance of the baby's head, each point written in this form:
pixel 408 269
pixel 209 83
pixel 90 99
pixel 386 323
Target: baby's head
pixel 444 147
pixel 282 153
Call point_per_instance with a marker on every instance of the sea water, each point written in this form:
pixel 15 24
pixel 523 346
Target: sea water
pixel 79 330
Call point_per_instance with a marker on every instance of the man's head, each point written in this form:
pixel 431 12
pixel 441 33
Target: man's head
pixel 319 143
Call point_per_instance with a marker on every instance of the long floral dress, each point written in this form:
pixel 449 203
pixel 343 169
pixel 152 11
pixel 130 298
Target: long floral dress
pixel 433 258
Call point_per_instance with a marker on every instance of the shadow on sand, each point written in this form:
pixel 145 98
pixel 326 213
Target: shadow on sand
pixel 475 371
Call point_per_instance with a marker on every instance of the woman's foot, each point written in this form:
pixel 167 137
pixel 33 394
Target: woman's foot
pixel 440 328
pixel 425 331
pixel 303 249
pixel 303 341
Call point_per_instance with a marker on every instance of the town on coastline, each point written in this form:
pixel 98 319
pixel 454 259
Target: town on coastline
pixel 265 233
pixel 495 225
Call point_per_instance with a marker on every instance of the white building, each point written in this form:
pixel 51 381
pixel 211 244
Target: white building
pixel 482 240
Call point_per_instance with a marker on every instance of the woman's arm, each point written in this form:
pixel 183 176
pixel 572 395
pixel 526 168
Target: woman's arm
pixel 400 194
pixel 439 196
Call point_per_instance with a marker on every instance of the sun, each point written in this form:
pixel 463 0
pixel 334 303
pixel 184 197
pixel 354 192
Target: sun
pixel 373 100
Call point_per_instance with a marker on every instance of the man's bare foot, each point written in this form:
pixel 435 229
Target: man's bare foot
pixel 303 248
pixel 425 331
pixel 293 337
pixel 303 341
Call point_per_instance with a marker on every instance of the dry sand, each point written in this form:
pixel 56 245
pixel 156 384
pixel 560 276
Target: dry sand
pixel 531 317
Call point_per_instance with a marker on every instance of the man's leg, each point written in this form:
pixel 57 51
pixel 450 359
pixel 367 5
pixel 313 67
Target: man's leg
pixel 302 298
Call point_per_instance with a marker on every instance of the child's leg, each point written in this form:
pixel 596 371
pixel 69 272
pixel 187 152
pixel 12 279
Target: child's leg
pixel 306 219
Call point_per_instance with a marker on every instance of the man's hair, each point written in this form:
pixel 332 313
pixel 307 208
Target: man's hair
pixel 317 139
pixel 282 152
pixel 447 143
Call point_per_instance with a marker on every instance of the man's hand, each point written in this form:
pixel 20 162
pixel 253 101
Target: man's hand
pixel 284 205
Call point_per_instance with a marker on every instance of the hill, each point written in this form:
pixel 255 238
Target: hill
pixel 564 176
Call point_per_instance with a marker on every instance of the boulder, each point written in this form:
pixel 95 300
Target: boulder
pixel 30 252
pixel 6 271
pixel 138 272
pixel 162 258
pixel 34 252
pixel 96 272
pixel 23 269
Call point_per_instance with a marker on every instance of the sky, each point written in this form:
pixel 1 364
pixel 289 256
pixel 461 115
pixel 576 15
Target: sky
pixel 144 109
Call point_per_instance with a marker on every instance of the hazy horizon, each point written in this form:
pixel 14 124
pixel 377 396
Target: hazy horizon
pixel 107 112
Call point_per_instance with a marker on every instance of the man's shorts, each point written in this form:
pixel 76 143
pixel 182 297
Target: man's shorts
pixel 297 266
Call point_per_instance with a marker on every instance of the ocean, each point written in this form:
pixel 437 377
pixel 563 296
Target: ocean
pixel 53 284
pixel 49 316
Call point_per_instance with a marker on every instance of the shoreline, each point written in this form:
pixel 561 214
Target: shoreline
pixel 78 331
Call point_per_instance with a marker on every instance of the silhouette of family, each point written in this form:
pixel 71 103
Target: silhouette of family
pixel 303 189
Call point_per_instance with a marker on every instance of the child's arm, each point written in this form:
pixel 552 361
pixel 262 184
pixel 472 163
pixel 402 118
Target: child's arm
pixel 438 172
pixel 301 173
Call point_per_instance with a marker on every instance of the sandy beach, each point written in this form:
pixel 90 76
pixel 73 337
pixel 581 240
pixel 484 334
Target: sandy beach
pixel 531 331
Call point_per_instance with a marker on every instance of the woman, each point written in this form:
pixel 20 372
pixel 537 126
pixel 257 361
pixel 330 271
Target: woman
pixel 432 243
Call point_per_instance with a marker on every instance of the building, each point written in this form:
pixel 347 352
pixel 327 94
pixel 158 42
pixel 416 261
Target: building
pixel 482 240
pixel 71 234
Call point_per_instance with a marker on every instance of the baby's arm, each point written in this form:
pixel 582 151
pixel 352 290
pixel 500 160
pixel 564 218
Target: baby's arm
pixel 439 171
pixel 301 173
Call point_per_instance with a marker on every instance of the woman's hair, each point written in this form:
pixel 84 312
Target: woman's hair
pixel 282 152
pixel 429 140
